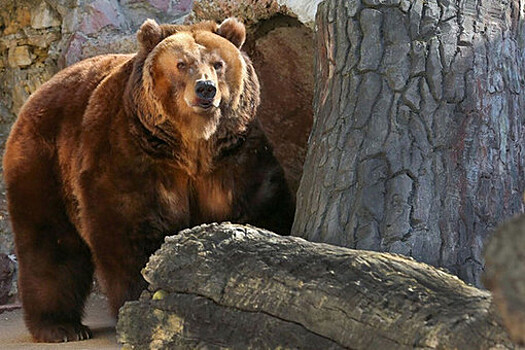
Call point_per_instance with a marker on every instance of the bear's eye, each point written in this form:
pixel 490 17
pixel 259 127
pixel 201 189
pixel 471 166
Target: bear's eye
pixel 218 65
pixel 181 65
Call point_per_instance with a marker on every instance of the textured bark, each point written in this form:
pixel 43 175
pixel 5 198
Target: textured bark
pixel 239 287
pixel 505 275
pixel 418 128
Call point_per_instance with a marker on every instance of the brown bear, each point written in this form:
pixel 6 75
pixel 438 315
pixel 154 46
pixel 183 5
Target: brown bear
pixel 118 151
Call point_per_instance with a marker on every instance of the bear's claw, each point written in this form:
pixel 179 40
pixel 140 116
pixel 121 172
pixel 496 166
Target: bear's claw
pixel 59 333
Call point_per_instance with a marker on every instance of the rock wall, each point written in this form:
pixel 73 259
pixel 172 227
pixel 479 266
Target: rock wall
pixel 40 37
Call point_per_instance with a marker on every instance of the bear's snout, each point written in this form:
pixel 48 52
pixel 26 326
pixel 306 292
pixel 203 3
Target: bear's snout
pixel 205 91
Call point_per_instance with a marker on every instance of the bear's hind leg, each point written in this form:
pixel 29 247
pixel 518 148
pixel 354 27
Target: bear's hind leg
pixel 55 264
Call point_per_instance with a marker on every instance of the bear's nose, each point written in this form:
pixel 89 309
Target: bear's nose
pixel 205 89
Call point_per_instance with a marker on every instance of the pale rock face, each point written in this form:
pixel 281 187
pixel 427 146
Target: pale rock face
pixel 19 56
pixel 304 9
pixel 43 16
pixel 255 11
pixel 101 14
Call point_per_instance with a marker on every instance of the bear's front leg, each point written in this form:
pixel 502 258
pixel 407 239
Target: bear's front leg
pixel 55 267
pixel 125 214
pixel 122 232
pixel 118 271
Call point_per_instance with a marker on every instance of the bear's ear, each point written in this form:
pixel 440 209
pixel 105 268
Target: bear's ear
pixel 149 35
pixel 233 30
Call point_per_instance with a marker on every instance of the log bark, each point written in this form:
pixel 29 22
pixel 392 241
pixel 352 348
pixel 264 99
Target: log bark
pixel 239 287
pixel 418 128
pixel 505 275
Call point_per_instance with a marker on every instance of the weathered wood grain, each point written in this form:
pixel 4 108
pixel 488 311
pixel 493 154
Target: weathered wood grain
pixel 239 287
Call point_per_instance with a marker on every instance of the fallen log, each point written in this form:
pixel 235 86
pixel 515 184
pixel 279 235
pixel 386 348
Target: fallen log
pixel 241 287
pixel 505 275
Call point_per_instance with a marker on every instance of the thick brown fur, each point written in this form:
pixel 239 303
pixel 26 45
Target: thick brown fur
pixel 115 153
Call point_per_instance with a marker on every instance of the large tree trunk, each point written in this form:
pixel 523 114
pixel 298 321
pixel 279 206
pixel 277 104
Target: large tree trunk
pixel 418 129
pixel 238 287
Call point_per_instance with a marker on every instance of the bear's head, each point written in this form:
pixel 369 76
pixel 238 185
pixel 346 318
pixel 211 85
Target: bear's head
pixel 193 80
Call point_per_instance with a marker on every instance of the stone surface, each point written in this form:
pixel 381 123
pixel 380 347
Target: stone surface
pixel 19 56
pixel 283 59
pixel 239 287
pixel 417 140
pixel 101 14
pixel 251 11
pixel 304 9
pixel 505 275
pixel 44 16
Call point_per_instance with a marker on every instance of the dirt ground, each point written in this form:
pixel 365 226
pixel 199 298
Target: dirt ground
pixel 14 335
